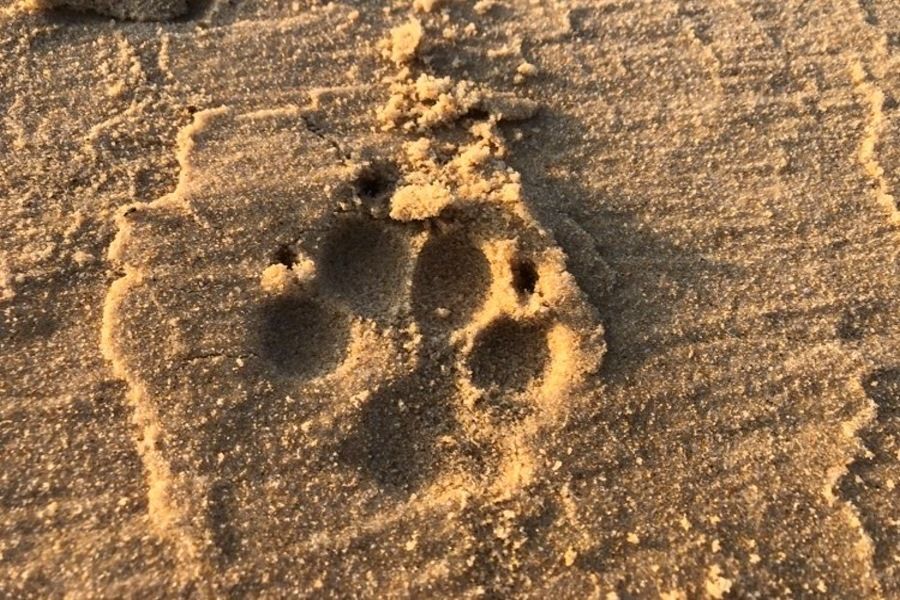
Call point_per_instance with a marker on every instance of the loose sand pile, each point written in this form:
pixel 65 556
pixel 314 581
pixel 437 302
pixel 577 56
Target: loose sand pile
pixel 449 298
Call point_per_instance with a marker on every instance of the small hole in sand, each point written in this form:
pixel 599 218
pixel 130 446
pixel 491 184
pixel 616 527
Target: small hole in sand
pixel 197 9
pixel 477 114
pixel 509 355
pixel 525 275
pixel 285 255
pixel 376 181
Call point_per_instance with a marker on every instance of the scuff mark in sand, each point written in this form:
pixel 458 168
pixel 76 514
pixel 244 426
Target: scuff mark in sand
pixel 169 519
pixel 867 484
pixel 852 430
pixel 873 97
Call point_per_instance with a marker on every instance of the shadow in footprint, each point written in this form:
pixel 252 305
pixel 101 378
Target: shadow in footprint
pixel 509 355
pixel 450 281
pixel 525 276
pixel 362 263
pixel 100 11
pixel 220 507
pixel 396 439
pixel 301 337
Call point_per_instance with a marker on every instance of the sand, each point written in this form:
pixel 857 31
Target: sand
pixel 449 299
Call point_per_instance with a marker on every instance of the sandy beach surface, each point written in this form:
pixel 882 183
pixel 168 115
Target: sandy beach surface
pixel 449 298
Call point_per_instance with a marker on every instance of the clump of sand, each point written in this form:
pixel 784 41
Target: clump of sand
pixel 426 102
pixel 419 201
pixel 403 43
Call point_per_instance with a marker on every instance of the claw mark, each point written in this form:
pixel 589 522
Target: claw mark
pixel 525 276
pixel 375 182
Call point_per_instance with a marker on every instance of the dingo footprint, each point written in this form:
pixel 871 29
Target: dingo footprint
pixel 298 350
pixel 501 341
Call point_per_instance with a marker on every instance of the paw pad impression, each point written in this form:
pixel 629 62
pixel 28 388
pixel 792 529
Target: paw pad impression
pixel 306 335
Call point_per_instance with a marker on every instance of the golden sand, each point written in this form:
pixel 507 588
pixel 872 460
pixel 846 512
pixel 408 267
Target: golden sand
pixel 444 298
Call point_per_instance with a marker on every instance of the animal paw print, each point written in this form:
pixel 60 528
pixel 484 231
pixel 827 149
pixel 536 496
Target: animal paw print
pixel 503 336
pixel 294 354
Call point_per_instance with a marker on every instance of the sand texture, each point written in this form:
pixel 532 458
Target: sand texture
pixel 136 10
pixel 444 298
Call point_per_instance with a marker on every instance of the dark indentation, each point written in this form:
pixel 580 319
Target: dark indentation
pixel 221 507
pixel 63 14
pixel 362 263
pixel 450 274
pixel 890 103
pixel 197 9
pixel 861 320
pixel 508 355
pixel 477 113
pixel 525 276
pixel 376 181
pixel 101 10
pixel 397 438
pixel 301 337
pixel 870 16
pixel 883 387
pixel 285 255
